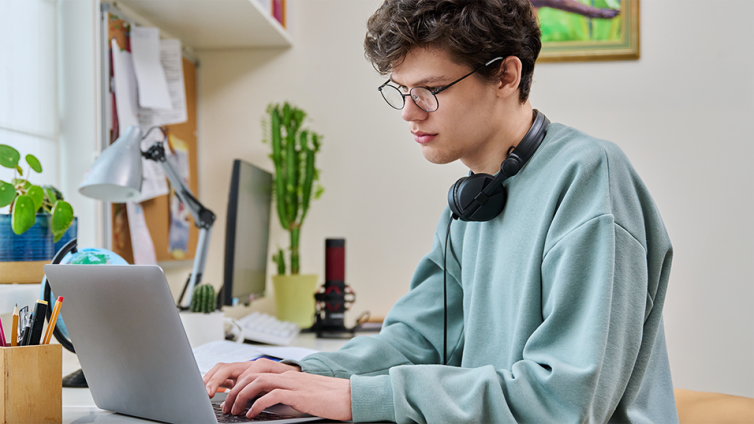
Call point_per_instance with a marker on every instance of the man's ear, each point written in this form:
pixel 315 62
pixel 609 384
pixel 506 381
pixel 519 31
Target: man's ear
pixel 510 77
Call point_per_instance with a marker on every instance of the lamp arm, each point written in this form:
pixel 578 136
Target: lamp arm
pixel 203 217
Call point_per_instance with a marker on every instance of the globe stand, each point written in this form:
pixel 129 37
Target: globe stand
pixel 76 378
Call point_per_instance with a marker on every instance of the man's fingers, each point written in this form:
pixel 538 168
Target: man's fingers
pixel 272 398
pixel 326 397
pixel 241 385
pixel 212 379
pixel 211 372
pixel 221 373
pixel 257 384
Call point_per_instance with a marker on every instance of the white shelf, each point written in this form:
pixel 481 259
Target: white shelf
pixel 212 24
pixel 17 294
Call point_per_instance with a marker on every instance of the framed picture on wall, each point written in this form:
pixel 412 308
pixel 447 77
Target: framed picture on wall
pixel 585 30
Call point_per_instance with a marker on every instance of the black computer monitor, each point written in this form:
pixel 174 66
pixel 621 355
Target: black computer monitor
pixel 247 234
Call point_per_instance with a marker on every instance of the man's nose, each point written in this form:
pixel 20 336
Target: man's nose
pixel 412 112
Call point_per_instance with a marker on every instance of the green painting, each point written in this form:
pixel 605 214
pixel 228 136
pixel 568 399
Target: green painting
pixel 588 29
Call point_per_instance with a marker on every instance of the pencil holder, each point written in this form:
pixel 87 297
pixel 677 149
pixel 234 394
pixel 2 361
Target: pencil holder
pixel 31 384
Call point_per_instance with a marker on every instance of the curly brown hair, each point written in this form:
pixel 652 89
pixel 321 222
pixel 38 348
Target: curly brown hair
pixel 472 31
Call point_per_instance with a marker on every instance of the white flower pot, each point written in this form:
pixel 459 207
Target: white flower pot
pixel 203 328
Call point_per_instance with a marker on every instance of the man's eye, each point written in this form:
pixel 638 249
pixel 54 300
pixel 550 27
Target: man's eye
pixel 433 90
pixel 403 88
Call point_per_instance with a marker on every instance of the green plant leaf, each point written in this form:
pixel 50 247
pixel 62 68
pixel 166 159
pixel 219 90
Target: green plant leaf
pixel 9 156
pixel 53 194
pixel 318 192
pixel 7 194
pixel 37 195
pixel 62 217
pixel 34 163
pixel 49 194
pixel 20 171
pixel 24 214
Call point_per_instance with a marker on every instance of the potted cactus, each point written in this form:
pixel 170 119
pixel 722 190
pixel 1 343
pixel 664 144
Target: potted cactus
pixel 39 221
pixel 203 322
pixel 203 300
pixel 294 150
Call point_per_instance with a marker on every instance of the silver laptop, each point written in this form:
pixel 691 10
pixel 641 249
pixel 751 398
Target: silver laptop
pixel 130 342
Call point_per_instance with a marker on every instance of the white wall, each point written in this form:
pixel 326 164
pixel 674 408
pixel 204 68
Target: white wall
pixel 78 26
pixel 679 113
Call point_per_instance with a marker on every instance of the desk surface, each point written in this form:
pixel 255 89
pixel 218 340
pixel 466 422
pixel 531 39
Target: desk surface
pixel 79 407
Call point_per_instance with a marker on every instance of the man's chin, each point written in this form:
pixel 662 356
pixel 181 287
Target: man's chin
pixel 436 157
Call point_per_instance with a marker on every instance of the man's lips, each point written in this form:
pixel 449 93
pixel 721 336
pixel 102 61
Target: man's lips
pixel 423 137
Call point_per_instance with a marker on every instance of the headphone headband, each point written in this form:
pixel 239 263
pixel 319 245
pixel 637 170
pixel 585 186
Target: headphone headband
pixel 533 138
pixel 522 153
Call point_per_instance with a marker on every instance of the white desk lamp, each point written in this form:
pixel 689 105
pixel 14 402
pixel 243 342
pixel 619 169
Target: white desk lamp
pixel 116 176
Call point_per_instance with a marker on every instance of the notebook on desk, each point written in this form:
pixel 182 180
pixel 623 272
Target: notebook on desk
pixel 132 347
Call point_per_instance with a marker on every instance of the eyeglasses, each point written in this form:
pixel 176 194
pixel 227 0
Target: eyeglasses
pixel 423 97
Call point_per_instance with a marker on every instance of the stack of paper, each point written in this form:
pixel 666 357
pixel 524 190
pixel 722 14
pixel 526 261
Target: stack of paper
pixel 210 354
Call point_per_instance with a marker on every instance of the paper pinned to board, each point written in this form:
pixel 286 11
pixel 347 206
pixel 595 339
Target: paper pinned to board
pixel 125 87
pixel 178 238
pixel 150 76
pixel 141 241
pixel 154 182
pixel 171 59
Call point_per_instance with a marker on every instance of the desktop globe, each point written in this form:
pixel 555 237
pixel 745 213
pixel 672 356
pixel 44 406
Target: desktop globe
pixel 85 256
pixel 93 256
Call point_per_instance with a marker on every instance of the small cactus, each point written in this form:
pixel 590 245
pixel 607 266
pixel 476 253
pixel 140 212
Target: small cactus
pixel 203 299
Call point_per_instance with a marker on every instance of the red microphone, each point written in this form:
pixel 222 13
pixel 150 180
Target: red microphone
pixel 335 297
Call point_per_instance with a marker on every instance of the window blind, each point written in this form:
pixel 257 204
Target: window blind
pixel 28 85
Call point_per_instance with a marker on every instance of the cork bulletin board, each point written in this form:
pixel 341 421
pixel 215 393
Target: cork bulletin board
pixel 156 210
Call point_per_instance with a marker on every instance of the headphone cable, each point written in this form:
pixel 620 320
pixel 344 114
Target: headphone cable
pixel 445 295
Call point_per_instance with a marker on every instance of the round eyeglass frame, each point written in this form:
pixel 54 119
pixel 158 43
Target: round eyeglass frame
pixel 419 94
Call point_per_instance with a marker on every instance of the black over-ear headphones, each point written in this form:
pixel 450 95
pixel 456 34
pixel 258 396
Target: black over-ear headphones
pixel 481 197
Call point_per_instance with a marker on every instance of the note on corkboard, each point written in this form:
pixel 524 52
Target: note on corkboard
pixel 157 210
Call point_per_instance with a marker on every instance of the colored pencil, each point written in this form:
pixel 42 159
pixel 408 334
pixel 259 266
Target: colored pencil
pixel 2 334
pixel 53 320
pixel 14 328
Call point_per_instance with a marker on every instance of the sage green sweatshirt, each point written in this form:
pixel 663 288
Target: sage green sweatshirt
pixel 554 307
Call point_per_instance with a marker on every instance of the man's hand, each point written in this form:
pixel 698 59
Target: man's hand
pixel 325 397
pixel 226 375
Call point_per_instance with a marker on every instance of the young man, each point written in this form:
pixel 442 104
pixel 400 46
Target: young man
pixel 554 305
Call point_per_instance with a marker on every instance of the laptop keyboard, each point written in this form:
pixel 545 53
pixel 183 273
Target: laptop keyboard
pixel 230 418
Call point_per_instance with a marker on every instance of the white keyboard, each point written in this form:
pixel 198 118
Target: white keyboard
pixel 263 328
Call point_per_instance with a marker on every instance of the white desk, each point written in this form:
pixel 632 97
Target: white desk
pixel 79 407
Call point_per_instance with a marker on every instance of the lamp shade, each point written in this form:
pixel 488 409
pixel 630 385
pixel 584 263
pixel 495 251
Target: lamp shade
pixel 116 174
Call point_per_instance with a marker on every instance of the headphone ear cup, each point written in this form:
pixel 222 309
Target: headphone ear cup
pixel 463 192
pixel 453 204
